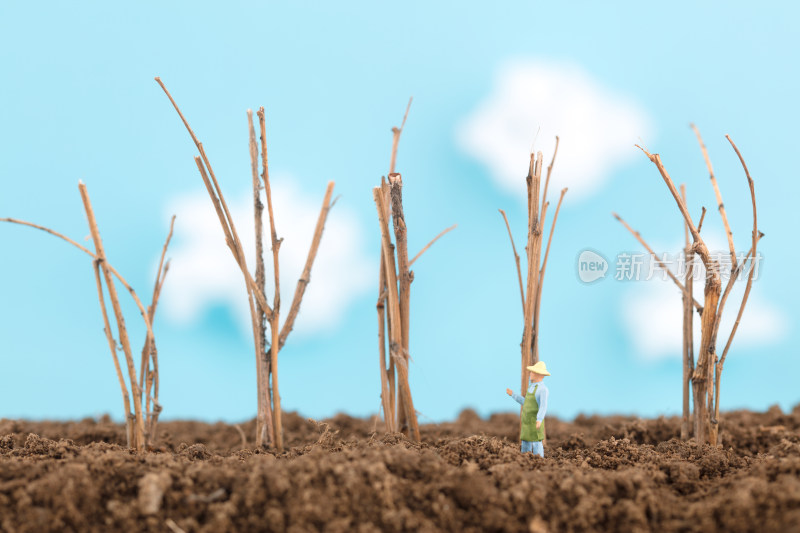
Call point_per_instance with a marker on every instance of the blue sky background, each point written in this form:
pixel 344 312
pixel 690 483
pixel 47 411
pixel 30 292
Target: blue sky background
pixel 79 102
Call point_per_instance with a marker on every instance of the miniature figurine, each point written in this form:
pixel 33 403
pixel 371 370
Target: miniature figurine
pixel 534 407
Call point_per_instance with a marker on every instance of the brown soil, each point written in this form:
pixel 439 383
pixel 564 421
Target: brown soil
pixel 600 474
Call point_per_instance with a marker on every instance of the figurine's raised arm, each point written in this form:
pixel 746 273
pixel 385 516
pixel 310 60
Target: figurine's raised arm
pixel 519 399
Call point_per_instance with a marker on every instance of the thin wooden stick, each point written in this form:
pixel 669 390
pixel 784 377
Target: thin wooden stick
pixel 223 222
pixel 660 263
pixel 528 183
pixel 720 204
pixel 656 159
pixel 151 309
pixel 398 411
pixel 163 278
pixel 542 272
pixel 702 217
pixel 147 352
pixel 534 241
pixel 228 227
pixel 267 363
pixel 236 250
pixel 387 374
pixel 261 378
pixel 547 182
pixel 753 253
pixel 404 275
pixel 390 273
pixel 425 248
pixel 250 284
pixel 543 214
pixel 392 370
pixel 549 241
pixel 219 203
pixel 233 244
pixel 395 331
pixel 734 276
pixel 713 286
pixel 516 260
pixel 207 163
pixel 112 345
pixel 163 266
pixel 259 333
pixel 755 238
pixel 396 132
pixel 276 301
pixel 288 325
pixel 263 431
pixel 688 330
pixel 305 277
pixel 388 413
pixel 139 442
pixel 51 232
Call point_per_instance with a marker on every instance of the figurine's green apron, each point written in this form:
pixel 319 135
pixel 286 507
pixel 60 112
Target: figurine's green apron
pixel 529 411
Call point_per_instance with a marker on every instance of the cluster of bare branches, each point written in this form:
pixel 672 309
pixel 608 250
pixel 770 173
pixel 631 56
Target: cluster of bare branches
pixel 268 424
pixel 141 423
pixel 531 290
pixel 394 299
pixel 704 375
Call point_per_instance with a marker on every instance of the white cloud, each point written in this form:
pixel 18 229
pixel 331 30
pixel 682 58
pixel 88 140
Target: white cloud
pixel 653 317
pixel 203 272
pixel 597 127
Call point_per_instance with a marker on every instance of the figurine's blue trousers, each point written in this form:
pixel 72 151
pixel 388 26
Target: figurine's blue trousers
pixel 533 447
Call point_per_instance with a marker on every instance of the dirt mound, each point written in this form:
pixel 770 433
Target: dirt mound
pixel 344 474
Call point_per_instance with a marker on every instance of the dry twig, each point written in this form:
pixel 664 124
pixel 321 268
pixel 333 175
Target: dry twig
pixel 531 290
pixel 396 133
pixel 720 205
pixel 136 429
pixel 756 236
pixel 706 392
pixel 533 248
pixel 150 379
pixel 516 260
pixel 394 286
pixel 658 261
pixel 425 248
pixel 266 363
pixel 393 297
pixel 688 327
pixel 123 332
pixel 112 345
pixel 544 263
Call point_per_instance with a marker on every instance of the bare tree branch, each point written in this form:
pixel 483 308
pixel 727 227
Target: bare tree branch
pixel 305 277
pixel 544 269
pixel 516 259
pixel 396 133
pixel 720 204
pixel 753 254
pixel 425 248
pixel 658 261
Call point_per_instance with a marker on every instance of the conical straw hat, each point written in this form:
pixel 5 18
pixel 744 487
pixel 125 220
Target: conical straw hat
pixel 539 368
